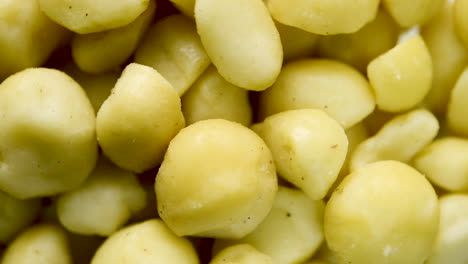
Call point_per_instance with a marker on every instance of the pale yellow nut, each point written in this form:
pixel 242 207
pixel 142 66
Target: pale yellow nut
pixel 97 86
pixel 400 139
pixel 355 135
pixel 309 148
pixel 185 6
pixel 107 50
pixel 452 238
pixel 324 17
pixel 402 76
pixel 48 141
pixel 241 254
pixel 456 110
pixel 242 41
pixel 211 96
pixel 15 215
pixel 377 36
pixel 89 16
pixel 27 36
pixel 336 88
pixel 135 124
pixel 217 180
pixel 291 233
pixel 172 47
pixel 104 203
pixel 445 163
pixel 449 57
pixel 146 242
pixel 460 12
pixel 296 42
pixel 385 212
pixel 412 13
pixel 40 244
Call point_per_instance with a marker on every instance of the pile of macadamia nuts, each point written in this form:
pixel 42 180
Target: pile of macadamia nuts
pixel 233 132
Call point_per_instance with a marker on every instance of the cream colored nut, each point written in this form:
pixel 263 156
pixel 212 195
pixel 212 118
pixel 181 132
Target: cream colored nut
pixel 27 36
pixel 211 96
pixel 445 163
pixel 97 86
pixel 185 6
pixel 104 203
pixel 107 50
pixel 308 147
pixel 242 41
pixel 412 13
pixel 452 238
pixel 355 135
pixel 460 11
pixel 292 231
pixel 324 17
pixel 241 254
pixel 146 242
pixel 456 110
pixel 377 36
pixel 296 42
pixel 400 139
pixel 402 76
pixel 40 244
pixel 217 180
pixel 15 215
pixel 385 212
pixel 48 142
pixel 140 117
pixel 173 48
pixel 89 16
pixel 336 88
pixel 449 57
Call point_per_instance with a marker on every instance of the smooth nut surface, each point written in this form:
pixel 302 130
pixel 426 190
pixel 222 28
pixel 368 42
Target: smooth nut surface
pixel 136 122
pixel 401 77
pixel 41 244
pixel 251 58
pixel 445 163
pixel 89 16
pixel 217 180
pixel 400 139
pixel 385 212
pixel 173 47
pixel 48 141
pixel 146 242
pixel 324 17
pixel 309 148
pixel 332 86
pixel 294 218
pixel 104 203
